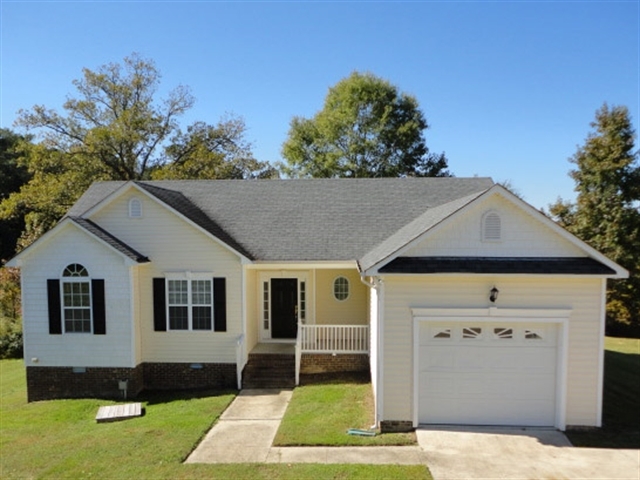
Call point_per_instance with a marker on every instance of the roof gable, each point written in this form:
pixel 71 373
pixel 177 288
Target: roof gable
pixel 102 194
pixel 527 233
pixel 130 255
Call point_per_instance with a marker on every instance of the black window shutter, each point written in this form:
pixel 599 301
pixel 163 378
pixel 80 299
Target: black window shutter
pixel 159 305
pixel 55 314
pixel 220 304
pixel 98 307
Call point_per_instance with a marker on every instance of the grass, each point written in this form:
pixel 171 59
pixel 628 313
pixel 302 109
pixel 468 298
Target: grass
pixel 621 402
pixel 322 412
pixel 60 439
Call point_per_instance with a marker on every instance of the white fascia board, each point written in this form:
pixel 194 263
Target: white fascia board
pixel 297 265
pixel 120 191
pixel 46 238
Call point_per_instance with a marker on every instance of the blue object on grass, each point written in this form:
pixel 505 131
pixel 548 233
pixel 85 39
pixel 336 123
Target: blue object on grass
pixel 362 433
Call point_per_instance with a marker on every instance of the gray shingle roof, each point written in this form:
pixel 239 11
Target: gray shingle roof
pixel 317 219
pixel 413 230
pixel 106 237
pixel 310 219
pixel 495 265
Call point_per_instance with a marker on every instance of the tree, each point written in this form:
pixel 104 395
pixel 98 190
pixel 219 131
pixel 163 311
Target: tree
pixel 207 151
pixel 115 122
pixel 12 176
pixel 606 213
pixel 367 128
pixel 116 129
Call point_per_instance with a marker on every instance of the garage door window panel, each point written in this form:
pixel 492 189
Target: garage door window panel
pixel 500 333
pixel 472 333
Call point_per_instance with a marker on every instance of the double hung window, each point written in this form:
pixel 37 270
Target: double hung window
pixel 190 304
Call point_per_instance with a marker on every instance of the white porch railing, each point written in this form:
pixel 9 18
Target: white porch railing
pixel 330 339
pixel 334 338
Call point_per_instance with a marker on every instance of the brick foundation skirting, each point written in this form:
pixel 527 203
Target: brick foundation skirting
pixel 183 376
pixel 49 383
pixel 311 363
pixel 395 426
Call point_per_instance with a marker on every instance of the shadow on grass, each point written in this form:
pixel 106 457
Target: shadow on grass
pixel 621 406
pixel 334 378
pixel 157 397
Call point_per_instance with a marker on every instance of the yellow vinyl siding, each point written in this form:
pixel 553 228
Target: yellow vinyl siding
pixel 173 245
pixel 581 295
pixel 329 311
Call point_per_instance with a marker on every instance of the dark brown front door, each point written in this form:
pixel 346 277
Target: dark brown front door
pixel 284 307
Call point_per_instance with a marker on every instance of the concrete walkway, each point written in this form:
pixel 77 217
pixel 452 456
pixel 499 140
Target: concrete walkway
pixel 245 433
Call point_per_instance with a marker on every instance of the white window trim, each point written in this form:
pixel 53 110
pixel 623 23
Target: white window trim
pixel 333 289
pixel 188 277
pixel 86 280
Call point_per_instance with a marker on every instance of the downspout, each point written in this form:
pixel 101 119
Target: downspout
pixel 375 285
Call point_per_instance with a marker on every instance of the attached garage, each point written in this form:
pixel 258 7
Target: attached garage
pixel 488 368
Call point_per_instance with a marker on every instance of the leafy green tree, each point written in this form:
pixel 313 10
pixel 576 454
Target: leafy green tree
pixel 116 121
pixel 606 213
pixel 57 181
pixel 13 174
pixel 116 128
pixel 207 151
pixel 367 128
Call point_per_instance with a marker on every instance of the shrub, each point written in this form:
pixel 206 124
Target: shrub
pixel 10 337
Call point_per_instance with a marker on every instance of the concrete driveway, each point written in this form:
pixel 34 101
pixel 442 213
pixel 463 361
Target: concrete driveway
pixel 518 453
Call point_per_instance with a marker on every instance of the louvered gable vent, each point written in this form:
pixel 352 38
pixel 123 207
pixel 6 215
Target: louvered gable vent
pixel 492 228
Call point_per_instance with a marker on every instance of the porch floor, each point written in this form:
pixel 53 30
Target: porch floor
pixel 274 348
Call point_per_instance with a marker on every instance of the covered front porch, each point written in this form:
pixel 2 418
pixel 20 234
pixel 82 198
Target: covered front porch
pixel 314 319
pixel 318 349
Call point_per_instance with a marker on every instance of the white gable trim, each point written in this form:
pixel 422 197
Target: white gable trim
pixel 120 191
pixel 48 236
pixel 523 206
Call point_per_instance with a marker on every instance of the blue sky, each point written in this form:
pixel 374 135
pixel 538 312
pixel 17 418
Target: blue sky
pixel 509 88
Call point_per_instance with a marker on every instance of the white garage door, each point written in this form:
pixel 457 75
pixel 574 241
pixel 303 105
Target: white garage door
pixel 487 374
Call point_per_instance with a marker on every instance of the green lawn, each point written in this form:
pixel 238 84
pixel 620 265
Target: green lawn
pixel 60 439
pixel 621 403
pixel 321 413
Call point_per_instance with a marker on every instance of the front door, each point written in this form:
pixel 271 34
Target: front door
pixel 284 307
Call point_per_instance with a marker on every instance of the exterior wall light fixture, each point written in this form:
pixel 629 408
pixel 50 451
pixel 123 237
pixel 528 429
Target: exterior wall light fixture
pixel 493 294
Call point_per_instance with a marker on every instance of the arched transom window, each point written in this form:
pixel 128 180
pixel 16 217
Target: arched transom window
pixel 76 299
